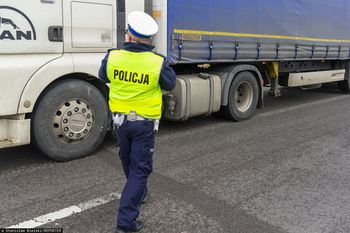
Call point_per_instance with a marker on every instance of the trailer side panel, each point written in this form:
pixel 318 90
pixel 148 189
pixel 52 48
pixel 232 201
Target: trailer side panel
pixel 251 30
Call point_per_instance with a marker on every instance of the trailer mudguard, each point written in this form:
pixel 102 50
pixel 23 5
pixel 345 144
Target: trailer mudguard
pixel 228 73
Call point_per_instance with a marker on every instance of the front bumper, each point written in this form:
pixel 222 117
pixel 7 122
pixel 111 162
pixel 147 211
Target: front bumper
pixel 14 132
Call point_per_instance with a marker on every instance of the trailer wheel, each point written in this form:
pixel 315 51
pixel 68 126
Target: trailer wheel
pixel 344 86
pixel 243 97
pixel 70 120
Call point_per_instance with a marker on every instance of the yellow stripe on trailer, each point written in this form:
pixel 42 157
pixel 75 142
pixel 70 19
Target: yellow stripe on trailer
pixel 252 35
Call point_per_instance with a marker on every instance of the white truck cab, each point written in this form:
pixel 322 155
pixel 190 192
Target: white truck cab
pixel 50 54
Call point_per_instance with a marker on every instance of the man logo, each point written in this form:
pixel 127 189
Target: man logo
pixel 8 21
pixel 19 29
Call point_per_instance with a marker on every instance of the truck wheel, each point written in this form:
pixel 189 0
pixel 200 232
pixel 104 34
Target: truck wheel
pixel 243 97
pixel 344 86
pixel 70 120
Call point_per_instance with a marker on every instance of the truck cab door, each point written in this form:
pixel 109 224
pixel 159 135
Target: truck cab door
pixel 89 25
pixel 89 31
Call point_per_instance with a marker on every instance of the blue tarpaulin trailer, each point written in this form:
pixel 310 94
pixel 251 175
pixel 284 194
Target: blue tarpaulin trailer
pixel 252 30
pixel 250 44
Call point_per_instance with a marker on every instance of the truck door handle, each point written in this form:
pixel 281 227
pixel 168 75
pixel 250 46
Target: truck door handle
pixel 56 33
pixel 48 1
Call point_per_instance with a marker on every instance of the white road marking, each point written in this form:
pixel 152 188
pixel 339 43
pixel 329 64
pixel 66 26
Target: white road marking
pixel 66 212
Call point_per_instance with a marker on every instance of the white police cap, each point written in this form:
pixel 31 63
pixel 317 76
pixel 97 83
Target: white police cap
pixel 141 24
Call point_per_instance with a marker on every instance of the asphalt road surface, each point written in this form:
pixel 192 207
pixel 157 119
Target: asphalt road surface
pixel 285 170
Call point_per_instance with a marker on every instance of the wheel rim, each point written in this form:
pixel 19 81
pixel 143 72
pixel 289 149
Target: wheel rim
pixel 243 96
pixel 73 120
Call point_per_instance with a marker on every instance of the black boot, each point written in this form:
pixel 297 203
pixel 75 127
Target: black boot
pixel 138 228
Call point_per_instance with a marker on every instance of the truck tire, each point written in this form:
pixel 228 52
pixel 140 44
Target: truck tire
pixel 70 121
pixel 344 86
pixel 243 97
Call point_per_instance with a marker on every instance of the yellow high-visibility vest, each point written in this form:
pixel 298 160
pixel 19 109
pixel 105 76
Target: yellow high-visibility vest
pixel 134 84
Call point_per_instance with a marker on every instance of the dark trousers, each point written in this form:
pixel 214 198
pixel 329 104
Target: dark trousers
pixel 136 142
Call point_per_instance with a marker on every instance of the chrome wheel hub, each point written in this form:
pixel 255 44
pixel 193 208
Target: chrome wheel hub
pixel 73 120
pixel 243 96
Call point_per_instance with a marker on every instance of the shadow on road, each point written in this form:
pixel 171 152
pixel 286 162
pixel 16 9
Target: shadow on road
pixel 16 157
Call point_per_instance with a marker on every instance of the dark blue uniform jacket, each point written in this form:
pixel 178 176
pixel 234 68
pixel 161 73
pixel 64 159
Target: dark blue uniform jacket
pixel 167 79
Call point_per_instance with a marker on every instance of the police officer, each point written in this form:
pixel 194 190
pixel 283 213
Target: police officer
pixel 137 77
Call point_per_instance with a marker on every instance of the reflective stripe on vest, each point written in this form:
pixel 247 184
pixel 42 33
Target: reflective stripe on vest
pixel 134 83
